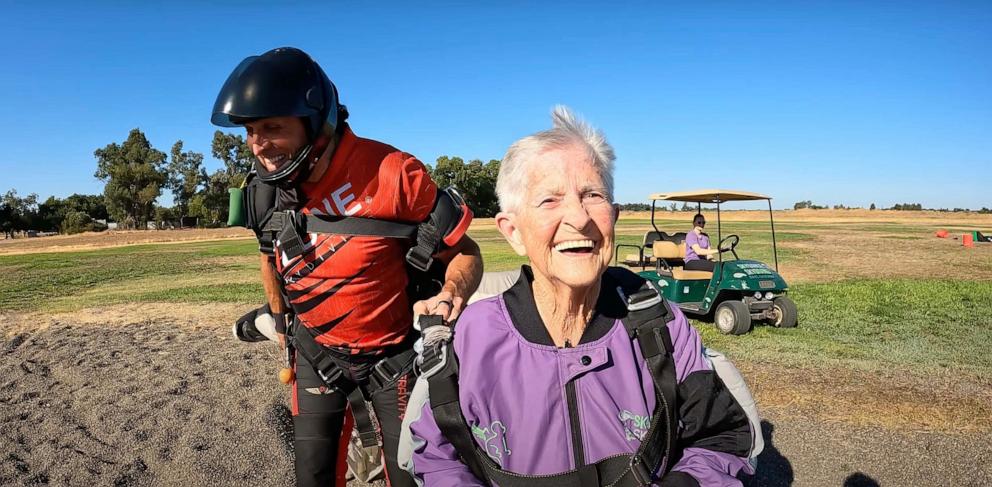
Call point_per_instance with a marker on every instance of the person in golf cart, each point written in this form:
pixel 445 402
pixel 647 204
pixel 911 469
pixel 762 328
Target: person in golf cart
pixel 698 254
pixel 328 257
pixel 579 374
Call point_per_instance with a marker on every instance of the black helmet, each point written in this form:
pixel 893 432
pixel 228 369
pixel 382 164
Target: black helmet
pixel 283 82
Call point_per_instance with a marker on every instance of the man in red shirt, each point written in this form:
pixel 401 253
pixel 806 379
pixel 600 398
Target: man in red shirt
pixel 347 290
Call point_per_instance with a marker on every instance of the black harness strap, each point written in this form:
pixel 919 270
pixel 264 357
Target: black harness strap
pixel 383 373
pixel 647 318
pixel 648 315
pixel 364 423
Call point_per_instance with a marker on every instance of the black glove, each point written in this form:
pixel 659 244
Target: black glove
pixel 259 325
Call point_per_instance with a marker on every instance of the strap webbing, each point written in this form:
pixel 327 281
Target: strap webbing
pixel 382 373
pixel 364 423
pixel 344 225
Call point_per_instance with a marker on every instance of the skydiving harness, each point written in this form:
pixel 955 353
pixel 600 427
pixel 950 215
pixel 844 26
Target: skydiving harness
pixel 445 226
pixel 382 373
pixel 647 318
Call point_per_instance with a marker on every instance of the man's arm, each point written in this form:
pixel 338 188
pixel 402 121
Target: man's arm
pixel 460 280
pixel 272 283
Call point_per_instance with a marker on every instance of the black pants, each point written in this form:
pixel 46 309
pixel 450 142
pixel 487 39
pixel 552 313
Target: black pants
pixel 318 413
pixel 699 265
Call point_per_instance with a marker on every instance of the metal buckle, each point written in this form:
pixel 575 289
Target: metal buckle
pixel 382 373
pixel 641 299
pixel 335 375
pixel 640 471
pixel 419 261
pixel 435 359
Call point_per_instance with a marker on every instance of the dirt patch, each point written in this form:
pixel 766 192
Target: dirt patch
pixel 146 401
pixel 152 395
pixel 186 316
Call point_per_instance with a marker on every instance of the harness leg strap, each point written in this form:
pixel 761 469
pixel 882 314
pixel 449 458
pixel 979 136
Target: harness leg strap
pixel 364 423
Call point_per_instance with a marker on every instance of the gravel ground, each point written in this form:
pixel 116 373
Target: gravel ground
pixel 160 402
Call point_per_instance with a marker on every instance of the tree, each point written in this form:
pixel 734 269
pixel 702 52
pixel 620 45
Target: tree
pixel 76 222
pixel 872 207
pixel 50 214
pixel 185 176
pixel 134 176
pixel 212 203
pixel 235 153
pixel 93 205
pixel 17 214
pixel 474 180
pixel 636 207
pixel 164 217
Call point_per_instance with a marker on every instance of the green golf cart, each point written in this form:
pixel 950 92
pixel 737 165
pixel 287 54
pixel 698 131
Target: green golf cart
pixel 737 292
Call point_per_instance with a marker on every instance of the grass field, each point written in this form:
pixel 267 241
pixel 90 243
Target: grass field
pixel 866 313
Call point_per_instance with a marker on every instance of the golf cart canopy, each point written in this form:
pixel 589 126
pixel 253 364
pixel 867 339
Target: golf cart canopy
pixel 709 196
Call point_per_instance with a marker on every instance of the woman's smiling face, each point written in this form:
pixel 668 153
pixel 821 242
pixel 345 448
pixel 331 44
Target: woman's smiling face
pixel 565 221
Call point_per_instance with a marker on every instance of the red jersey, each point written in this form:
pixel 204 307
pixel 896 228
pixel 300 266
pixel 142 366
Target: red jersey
pixel 350 289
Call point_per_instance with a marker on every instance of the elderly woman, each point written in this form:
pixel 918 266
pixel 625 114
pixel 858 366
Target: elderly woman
pixel 548 383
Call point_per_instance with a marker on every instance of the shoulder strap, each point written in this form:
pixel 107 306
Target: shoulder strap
pixel 648 314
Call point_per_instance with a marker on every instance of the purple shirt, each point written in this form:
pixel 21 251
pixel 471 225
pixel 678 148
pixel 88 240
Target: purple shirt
pixel 702 240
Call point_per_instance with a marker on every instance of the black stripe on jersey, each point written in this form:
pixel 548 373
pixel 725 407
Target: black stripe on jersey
pixel 326 327
pixel 315 301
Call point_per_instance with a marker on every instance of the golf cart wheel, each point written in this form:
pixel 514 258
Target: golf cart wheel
pixel 787 315
pixel 732 318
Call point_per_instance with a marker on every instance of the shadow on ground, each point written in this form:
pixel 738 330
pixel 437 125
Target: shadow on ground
pixel 774 469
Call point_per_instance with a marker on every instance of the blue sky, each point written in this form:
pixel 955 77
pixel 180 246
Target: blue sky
pixel 837 102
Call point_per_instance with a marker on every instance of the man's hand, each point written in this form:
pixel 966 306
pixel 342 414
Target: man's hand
pixel 444 304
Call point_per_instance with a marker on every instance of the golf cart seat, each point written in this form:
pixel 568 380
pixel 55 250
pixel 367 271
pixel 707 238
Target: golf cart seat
pixel 649 239
pixel 672 256
pixel 677 237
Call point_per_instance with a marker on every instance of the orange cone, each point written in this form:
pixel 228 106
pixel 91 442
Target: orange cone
pixel 967 240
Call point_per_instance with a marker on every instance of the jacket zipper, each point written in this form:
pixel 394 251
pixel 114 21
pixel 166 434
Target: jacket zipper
pixel 571 397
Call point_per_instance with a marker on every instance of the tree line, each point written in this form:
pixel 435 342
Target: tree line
pixel 809 205
pixel 135 174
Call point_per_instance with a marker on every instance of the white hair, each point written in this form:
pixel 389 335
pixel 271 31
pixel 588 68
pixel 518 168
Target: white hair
pixel 567 130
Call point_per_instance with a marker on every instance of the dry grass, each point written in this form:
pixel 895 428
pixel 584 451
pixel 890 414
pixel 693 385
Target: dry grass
pixel 930 218
pixel 100 240
pixel 950 403
pixel 856 254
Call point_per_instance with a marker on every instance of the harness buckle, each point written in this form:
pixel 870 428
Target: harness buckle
pixel 289 233
pixel 435 359
pixel 382 374
pixel 330 375
pixel 643 299
pixel 418 259
pixel 640 471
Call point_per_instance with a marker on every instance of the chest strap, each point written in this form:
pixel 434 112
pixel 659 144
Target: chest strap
pixel 648 315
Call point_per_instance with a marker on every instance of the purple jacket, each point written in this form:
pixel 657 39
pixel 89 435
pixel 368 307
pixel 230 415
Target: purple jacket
pixel 512 388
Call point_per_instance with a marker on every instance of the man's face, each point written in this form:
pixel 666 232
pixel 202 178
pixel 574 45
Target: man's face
pixel 275 140
pixel 564 224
